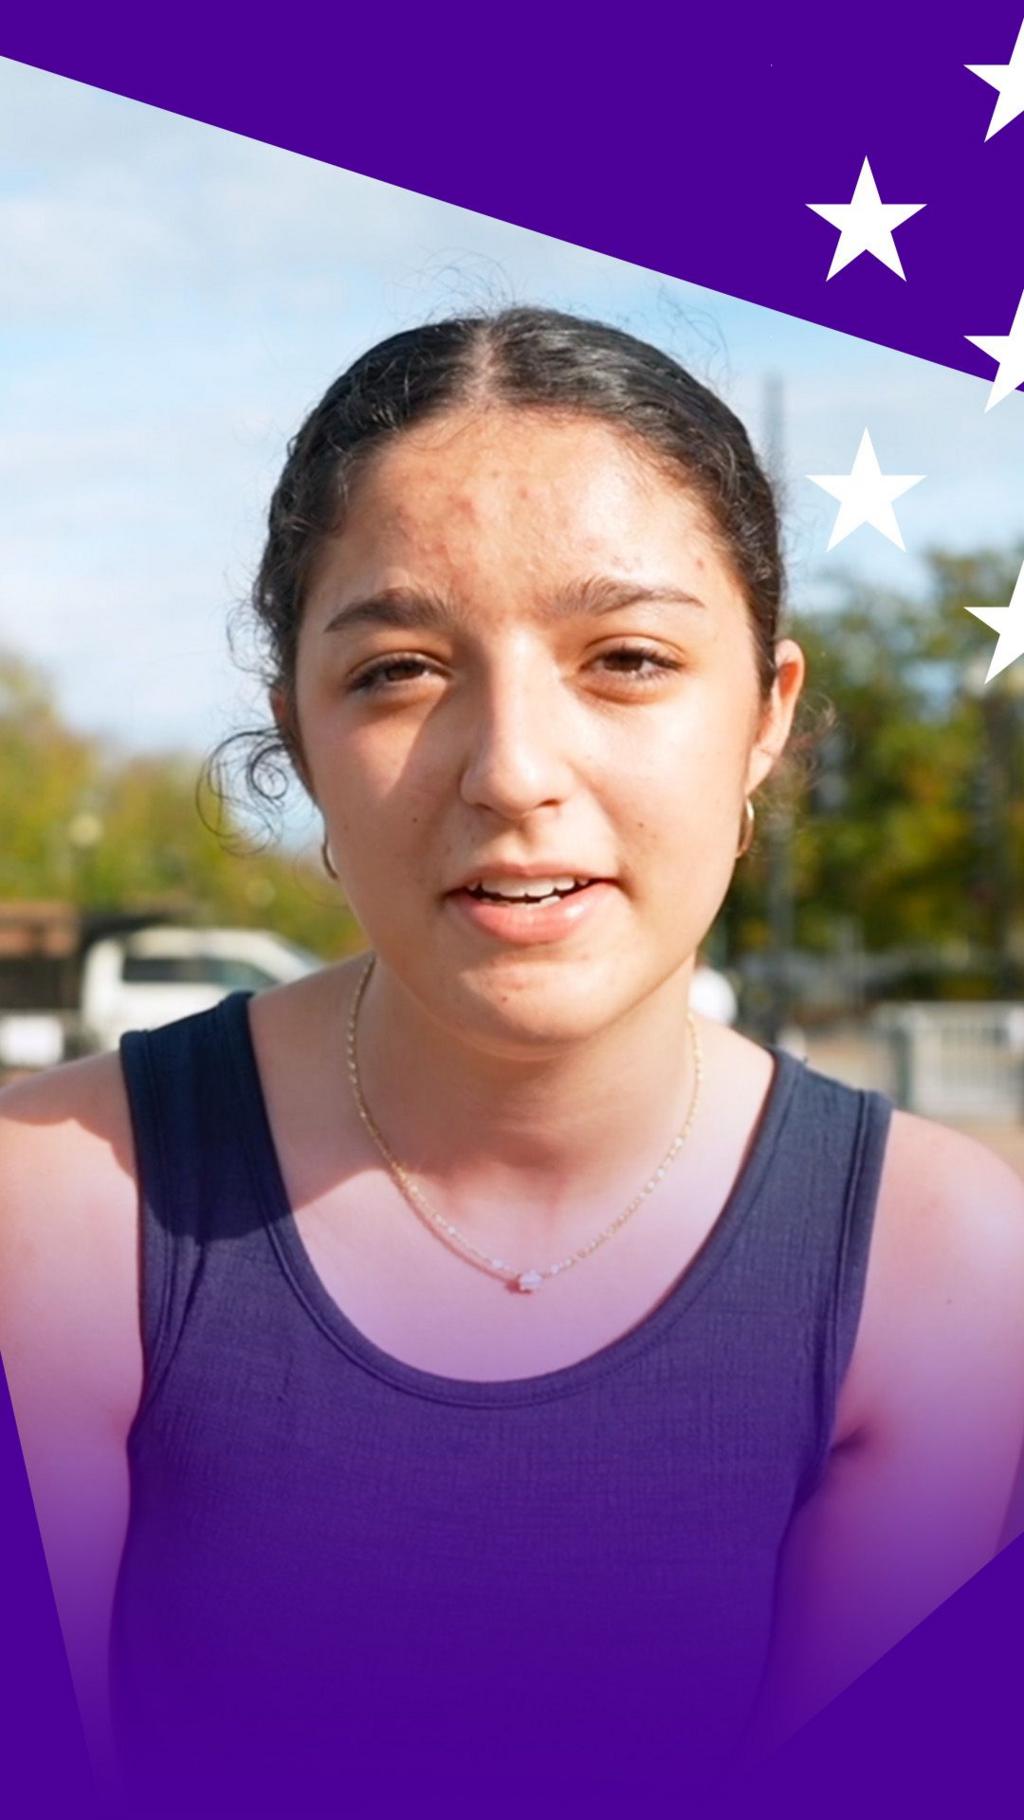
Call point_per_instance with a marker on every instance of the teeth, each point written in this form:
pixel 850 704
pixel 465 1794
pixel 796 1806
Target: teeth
pixel 526 887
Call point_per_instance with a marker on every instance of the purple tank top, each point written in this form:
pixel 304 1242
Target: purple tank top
pixel 353 1586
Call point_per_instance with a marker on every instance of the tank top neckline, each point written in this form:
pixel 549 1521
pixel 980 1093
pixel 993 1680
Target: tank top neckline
pixel 308 1286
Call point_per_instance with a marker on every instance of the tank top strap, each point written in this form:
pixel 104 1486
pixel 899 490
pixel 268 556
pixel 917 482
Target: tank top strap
pixel 822 1200
pixel 191 1169
pixel 874 1114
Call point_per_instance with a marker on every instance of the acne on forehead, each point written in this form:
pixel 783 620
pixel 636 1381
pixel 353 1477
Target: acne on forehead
pixel 464 506
pixel 438 483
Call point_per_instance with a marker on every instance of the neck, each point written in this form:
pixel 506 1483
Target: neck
pixel 554 1137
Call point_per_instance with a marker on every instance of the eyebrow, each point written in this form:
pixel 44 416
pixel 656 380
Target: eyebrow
pixel 405 607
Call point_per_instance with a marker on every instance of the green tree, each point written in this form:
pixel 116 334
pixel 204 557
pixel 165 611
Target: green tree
pixel 46 774
pixel 84 823
pixel 910 825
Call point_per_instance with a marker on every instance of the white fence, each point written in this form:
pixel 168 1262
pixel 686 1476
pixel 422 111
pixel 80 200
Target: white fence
pixel 956 1061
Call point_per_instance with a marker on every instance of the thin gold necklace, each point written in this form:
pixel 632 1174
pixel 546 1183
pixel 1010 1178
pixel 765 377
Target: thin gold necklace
pixel 525 1280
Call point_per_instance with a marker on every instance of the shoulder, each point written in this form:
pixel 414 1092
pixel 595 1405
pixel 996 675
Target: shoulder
pixel 949 1205
pixel 944 1297
pixel 928 1432
pixel 73 1118
pixel 68 1232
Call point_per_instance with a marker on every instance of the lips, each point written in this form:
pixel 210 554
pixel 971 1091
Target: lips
pixel 514 916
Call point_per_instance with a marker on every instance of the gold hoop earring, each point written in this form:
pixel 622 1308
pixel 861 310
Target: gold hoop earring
pixel 325 855
pixel 747 836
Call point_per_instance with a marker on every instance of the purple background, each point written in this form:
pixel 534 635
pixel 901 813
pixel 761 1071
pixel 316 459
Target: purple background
pixel 691 147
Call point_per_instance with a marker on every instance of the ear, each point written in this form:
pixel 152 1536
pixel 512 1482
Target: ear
pixel 282 710
pixel 777 713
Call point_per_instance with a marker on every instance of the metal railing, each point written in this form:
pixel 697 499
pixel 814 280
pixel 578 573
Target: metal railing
pixel 956 1061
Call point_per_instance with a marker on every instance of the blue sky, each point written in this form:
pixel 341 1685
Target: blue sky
pixel 175 297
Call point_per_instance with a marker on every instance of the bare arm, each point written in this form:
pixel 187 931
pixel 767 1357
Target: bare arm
pixel 929 1430
pixel 70 1342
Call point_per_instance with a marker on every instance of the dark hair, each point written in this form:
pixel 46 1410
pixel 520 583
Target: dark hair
pixel 530 358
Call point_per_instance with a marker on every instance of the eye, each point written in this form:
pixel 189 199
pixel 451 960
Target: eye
pixel 390 672
pixel 638 662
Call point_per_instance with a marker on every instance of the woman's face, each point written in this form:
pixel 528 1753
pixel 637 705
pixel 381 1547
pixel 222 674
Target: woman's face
pixel 523 661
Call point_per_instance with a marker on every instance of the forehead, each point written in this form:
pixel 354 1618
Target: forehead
pixel 519 496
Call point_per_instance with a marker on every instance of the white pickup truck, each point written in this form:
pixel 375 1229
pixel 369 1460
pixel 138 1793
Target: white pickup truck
pixel 139 979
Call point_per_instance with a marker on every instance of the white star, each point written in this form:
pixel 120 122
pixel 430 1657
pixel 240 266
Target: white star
pixel 865 224
pixel 1008 80
pixel 865 495
pixel 1009 623
pixel 1008 352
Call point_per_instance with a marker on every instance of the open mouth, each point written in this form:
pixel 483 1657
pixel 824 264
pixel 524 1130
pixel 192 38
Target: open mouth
pixel 531 891
pixel 520 910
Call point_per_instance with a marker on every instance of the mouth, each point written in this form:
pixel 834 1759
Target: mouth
pixel 524 911
pixel 526 890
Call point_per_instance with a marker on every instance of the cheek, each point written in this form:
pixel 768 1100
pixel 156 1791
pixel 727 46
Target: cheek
pixel 385 807
pixel 694 776
pixel 351 765
pixel 685 817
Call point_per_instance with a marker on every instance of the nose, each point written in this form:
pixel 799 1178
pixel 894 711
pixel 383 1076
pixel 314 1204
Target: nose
pixel 518 740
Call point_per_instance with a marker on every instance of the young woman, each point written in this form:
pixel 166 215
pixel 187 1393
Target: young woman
pixel 467 1352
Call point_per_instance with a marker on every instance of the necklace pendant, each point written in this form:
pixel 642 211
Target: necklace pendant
pixel 528 1280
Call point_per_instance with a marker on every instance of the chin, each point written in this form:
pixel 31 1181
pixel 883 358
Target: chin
pixel 519 1008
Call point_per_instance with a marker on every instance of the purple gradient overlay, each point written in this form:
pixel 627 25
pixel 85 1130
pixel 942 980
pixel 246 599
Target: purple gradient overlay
pixel 463 1700
pixel 43 1765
